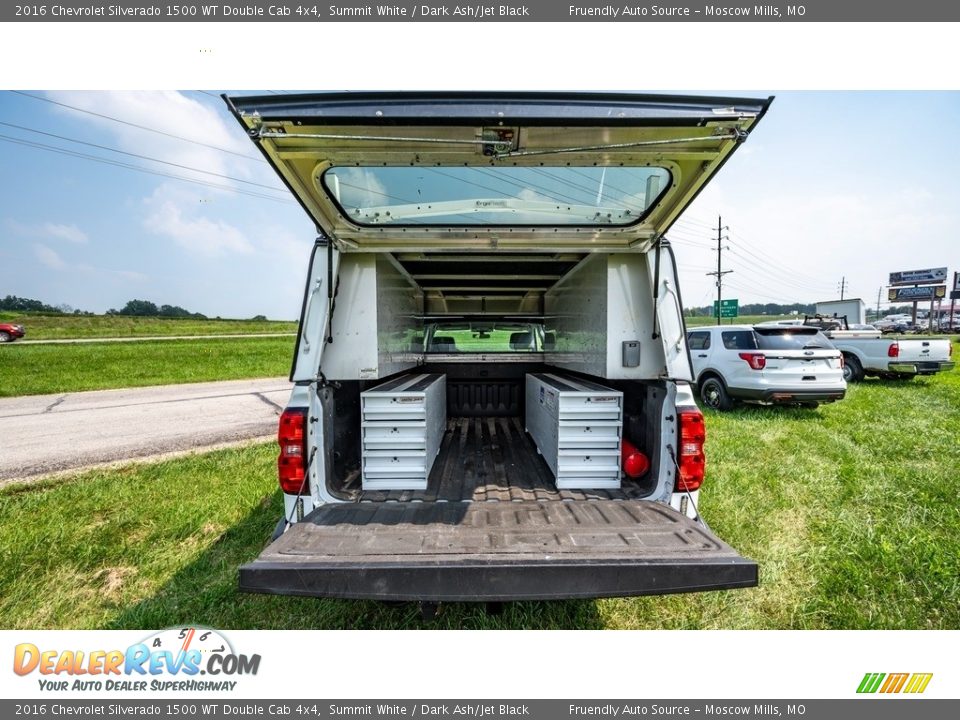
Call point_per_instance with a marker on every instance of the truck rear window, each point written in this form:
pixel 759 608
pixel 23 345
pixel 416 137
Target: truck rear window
pixel 484 337
pixel 791 339
pixel 491 195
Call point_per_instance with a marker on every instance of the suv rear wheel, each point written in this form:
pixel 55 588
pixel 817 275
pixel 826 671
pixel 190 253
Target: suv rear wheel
pixel 714 394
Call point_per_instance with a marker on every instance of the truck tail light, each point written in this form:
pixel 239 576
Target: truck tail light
pixel 635 463
pixel 691 461
pixel 292 462
pixel 894 350
pixel 756 361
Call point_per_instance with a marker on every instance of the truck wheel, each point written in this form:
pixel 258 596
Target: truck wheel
pixel 714 394
pixel 429 611
pixel 852 369
pixel 5 336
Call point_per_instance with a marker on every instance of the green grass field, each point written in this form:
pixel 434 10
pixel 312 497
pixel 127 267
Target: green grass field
pixel 850 511
pixel 41 369
pixel 700 321
pixel 56 327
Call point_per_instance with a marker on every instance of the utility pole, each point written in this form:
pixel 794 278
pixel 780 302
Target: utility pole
pixel 879 290
pixel 720 272
pixel 843 286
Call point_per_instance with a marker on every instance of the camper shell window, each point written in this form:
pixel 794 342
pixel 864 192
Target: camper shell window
pixel 491 195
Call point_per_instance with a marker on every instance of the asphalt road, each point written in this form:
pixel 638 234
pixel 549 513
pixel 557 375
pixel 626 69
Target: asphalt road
pixel 145 338
pixel 42 434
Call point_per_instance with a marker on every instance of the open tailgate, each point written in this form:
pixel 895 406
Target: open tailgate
pixel 488 551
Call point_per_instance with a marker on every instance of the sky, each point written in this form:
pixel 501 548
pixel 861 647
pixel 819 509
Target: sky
pixel 830 185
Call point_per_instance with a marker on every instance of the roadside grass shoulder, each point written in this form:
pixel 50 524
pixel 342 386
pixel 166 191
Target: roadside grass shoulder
pixel 701 320
pixel 55 327
pixel 850 511
pixel 42 369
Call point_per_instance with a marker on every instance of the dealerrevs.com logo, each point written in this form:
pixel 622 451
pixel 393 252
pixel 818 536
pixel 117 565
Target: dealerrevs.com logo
pixel 888 683
pixel 172 659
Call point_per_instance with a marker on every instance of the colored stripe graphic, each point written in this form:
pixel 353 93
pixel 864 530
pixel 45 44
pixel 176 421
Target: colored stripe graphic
pixel 894 683
pixel 918 682
pixel 870 682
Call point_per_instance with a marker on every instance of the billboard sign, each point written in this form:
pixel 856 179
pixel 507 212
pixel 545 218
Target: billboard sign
pixel 919 277
pixel 956 282
pixel 917 294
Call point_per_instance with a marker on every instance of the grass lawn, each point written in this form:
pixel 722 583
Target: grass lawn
pixel 41 369
pixel 850 511
pixel 55 327
pixel 700 321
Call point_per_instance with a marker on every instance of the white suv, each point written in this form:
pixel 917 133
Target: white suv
pixel 765 364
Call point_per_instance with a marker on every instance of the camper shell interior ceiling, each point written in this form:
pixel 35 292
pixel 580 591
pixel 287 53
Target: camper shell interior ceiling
pixel 486 284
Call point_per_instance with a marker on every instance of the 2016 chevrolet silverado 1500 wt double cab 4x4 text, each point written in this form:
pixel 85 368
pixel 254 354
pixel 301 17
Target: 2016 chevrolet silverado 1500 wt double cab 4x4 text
pixel 492 392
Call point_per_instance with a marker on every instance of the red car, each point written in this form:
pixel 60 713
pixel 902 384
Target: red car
pixel 9 333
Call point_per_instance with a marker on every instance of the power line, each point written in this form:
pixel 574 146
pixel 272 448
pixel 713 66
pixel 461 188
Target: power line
pixel 783 276
pixel 142 157
pixel 767 258
pixel 138 168
pixel 135 125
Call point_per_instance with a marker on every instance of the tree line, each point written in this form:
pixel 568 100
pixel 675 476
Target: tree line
pixel 758 309
pixel 137 308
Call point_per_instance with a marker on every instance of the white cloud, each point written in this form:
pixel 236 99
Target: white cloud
pixel 48 257
pixel 171 217
pixel 59 231
pixel 175 114
pixel 797 246
pixel 70 233
pixel 131 275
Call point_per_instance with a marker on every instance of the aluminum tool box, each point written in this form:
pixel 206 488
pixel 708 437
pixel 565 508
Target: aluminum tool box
pixel 402 424
pixel 576 426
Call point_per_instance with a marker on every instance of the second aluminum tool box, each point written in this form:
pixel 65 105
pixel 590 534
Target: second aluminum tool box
pixel 402 424
pixel 576 425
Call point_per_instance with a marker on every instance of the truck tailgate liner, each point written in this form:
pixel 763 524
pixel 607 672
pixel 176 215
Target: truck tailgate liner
pixel 522 550
pixel 492 458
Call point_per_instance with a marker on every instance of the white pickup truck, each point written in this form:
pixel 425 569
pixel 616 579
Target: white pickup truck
pixel 869 353
pixel 469 243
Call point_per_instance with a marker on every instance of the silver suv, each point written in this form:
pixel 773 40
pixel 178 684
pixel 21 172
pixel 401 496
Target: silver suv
pixel 765 364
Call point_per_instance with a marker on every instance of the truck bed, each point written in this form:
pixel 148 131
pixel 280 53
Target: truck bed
pixel 493 459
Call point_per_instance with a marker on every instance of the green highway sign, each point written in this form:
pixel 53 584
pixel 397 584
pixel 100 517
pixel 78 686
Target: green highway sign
pixel 728 308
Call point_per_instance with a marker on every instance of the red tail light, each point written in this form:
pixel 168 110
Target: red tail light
pixel 893 350
pixel 692 462
pixel 292 463
pixel 756 361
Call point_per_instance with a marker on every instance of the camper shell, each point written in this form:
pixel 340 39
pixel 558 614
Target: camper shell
pixel 490 238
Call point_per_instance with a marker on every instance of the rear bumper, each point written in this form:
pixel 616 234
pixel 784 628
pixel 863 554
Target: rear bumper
pixel 485 551
pixel 921 367
pixel 784 396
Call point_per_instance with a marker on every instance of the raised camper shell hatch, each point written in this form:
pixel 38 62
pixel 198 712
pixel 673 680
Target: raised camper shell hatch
pixel 522 171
